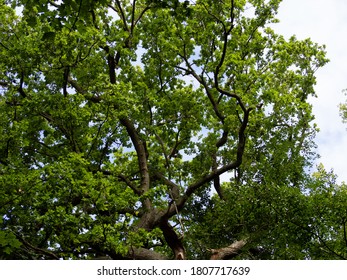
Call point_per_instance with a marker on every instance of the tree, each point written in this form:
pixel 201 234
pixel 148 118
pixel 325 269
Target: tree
pixel 120 117
pixel 277 222
pixel 343 110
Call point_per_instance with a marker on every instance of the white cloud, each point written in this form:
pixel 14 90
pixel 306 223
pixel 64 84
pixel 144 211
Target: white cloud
pixel 325 22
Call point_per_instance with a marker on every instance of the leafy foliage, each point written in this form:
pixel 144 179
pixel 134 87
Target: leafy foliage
pixel 119 118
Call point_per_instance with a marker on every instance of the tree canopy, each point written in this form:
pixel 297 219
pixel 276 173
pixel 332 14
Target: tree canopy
pixel 157 129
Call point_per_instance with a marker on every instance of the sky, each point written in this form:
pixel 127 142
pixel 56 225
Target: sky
pixel 325 22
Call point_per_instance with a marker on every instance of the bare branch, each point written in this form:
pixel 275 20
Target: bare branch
pixel 145 254
pixel 228 252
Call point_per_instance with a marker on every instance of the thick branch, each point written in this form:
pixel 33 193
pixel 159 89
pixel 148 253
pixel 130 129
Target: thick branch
pixel 228 252
pixel 133 253
pixel 145 254
pixel 173 240
pixel 140 151
pixel 112 64
pixel 216 180
pixel 20 89
pixel 344 232
pixel 133 17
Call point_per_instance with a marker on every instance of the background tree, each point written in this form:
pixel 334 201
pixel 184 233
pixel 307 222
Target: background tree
pixel 276 222
pixel 343 110
pixel 120 117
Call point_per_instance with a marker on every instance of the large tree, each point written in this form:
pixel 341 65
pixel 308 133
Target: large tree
pixel 120 120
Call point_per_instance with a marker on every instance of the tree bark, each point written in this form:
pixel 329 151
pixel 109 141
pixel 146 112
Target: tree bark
pixel 173 240
pixel 145 254
pixel 228 252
